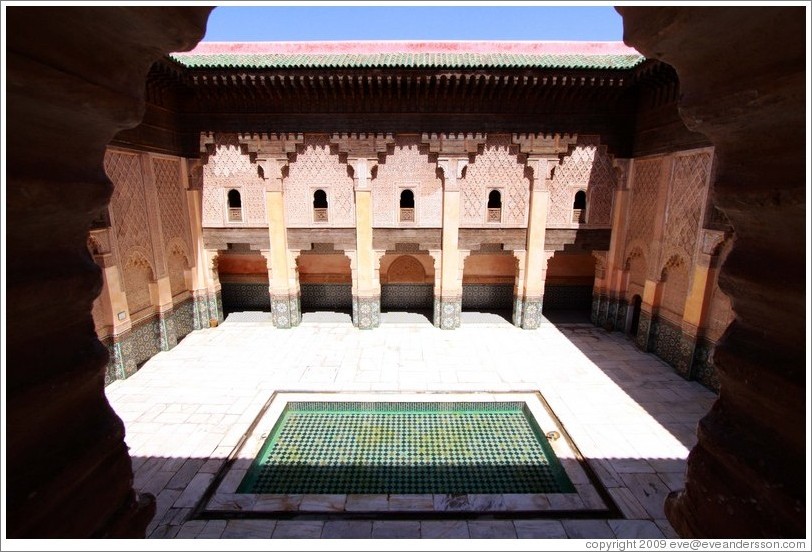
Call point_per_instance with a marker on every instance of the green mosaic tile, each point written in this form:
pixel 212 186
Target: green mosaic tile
pixel 406 448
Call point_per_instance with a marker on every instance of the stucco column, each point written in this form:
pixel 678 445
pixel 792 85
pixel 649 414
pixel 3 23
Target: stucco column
pixel 213 287
pixel 449 309
pixel 518 286
pixel 437 256
pixel 698 300
pixel 600 295
pixel 110 309
pixel 285 308
pixel 366 297
pixel 612 288
pixel 200 270
pixel 652 294
pixel 536 258
pixel 652 291
pixel 160 291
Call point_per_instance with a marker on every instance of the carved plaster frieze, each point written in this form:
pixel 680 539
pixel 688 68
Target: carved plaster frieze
pixel 459 144
pixel 544 144
pixel 271 144
pixel 362 145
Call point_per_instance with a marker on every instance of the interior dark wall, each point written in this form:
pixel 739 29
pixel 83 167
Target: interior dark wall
pixel 75 77
pixel 742 84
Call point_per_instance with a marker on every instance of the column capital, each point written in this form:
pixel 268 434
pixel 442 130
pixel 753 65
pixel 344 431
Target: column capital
pixel 272 168
pixel 362 172
pixel 266 253
pixel 542 167
pixel 452 168
pixel 622 170
pixel 710 240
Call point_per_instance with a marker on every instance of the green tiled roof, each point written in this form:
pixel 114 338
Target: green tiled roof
pixel 410 60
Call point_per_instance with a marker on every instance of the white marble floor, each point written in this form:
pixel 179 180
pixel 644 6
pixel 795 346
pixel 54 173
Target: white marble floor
pixel 187 409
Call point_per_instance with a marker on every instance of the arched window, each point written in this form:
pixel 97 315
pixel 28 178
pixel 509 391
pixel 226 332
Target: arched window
pixel 579 207
pixel 407 206
pixel 320 206
pixel 234 206
pixel 495 206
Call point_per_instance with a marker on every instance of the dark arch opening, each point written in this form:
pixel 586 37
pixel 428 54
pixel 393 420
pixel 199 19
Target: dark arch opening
pixel 580 200
pixel 320 199
pixel 494 200
pixel 234 199
pixel 407 199
pixel 579 207
pixel 635 322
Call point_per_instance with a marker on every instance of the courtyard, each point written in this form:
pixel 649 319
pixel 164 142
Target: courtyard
pixel 188 410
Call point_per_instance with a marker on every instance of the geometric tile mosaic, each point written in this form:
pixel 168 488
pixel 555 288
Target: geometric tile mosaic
pixel 411 447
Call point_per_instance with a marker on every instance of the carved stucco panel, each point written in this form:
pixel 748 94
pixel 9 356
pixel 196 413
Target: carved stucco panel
pixel 587 167
pixel 643 200
pixel 138 274
pixel 406 269
pixel 229 166
pixel 637 267
pixel 409 165
pixel 497 167
pixel 128 204
pixel 173 214
pixel 213 204
pixel 686 199
pixel 177 262
pixel 317 166
pixel 675 285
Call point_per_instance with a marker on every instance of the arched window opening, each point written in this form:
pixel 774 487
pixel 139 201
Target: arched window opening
pixel 579 207
pixel 234 206
pixel 495 206
pixel 320 206
pixel 407 206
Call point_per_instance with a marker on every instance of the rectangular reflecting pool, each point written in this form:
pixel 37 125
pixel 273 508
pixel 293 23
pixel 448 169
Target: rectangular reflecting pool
pixel 403 455
pixel 405 448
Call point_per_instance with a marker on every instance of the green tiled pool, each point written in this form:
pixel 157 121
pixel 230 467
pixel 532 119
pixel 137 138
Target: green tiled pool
pixel 406 448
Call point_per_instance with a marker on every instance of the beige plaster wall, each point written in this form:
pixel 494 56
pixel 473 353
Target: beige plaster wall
pixel 567 269
pixel 489 269
pixel 324 269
